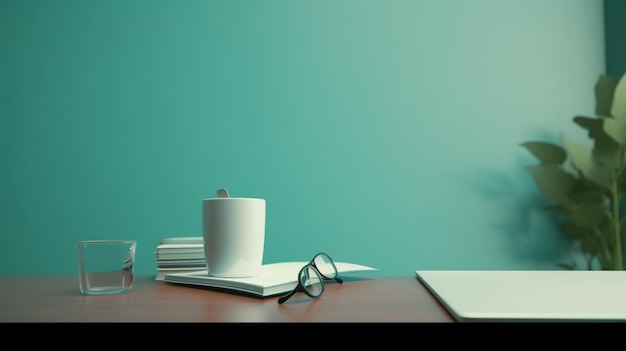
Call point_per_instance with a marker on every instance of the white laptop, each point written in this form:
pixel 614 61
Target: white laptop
pixel 534 296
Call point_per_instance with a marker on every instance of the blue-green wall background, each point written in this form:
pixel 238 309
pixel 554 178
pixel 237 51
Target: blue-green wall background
pixel 385 133
pixel 615 32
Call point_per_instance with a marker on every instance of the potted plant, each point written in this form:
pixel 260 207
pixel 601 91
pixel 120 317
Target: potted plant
pixel 586 184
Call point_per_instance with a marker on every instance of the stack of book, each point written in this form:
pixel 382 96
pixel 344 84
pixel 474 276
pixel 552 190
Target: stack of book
pixel 179 255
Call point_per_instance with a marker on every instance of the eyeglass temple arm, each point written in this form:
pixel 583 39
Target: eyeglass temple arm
pixel 286 297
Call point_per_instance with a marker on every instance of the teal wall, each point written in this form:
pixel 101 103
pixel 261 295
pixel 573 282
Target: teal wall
pixel 385 133
pixel 615 36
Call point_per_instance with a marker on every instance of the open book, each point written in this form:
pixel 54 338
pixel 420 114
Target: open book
pixel 275 278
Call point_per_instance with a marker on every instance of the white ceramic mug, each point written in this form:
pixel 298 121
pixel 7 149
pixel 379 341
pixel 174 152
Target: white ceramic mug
pixel 234 236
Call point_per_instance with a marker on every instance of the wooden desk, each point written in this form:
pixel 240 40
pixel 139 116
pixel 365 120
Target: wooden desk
pixel 371 299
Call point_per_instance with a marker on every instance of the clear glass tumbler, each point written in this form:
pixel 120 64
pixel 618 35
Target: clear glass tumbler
pixel 106 267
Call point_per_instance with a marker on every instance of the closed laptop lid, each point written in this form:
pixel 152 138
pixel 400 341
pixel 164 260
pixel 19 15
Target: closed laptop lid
pixel 484 296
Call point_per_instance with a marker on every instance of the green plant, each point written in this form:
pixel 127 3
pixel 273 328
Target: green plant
pixel 590 190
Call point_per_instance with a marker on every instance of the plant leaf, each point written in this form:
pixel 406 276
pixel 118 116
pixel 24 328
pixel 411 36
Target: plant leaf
pixel 582 160
pixel 605 86
pixel 606 151
pixel 553 182
pixel 547 153
pixel 586 196
pixel 589 215
pixel 593 125
pixel 583 236
pixel 596 131
pixel 589 244
pixel 618 108
pixel 616 128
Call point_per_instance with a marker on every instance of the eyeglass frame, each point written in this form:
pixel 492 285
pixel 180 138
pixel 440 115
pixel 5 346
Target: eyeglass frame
pixel 311 264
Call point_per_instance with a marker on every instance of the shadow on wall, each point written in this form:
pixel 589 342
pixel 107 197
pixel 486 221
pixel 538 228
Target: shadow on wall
pixel 532 233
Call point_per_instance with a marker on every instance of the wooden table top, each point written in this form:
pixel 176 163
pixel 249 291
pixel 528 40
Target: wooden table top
pixel 56 298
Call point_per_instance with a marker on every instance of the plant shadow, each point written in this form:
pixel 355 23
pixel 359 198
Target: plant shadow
pixel 532 232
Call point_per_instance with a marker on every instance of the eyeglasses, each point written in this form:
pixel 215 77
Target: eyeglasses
pixel 311 277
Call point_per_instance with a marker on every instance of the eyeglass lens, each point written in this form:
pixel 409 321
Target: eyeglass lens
pixel 311 281
pixel 325 266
